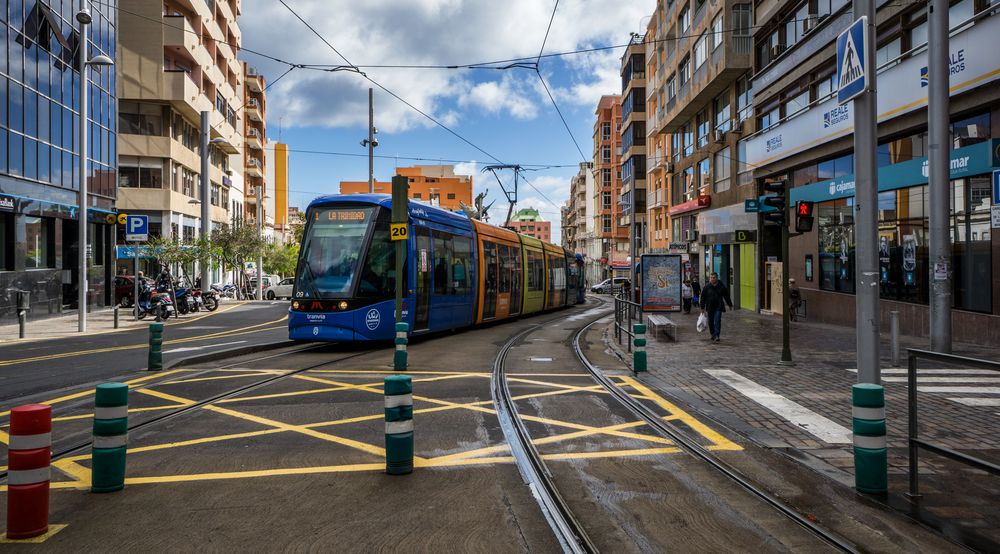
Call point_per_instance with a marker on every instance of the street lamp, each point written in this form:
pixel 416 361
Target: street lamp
pixel 84 18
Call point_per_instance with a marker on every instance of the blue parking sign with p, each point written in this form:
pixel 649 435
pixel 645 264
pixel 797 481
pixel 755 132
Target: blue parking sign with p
pixel 137 228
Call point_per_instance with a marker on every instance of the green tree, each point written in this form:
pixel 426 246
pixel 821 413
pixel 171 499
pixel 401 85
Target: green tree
pixel 281 259
pixel 234 245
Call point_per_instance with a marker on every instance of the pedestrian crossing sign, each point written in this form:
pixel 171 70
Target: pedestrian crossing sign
pixel 852 71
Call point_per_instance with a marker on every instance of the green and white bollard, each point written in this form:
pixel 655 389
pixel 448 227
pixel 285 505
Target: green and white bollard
pixel 398 424
pixel 155 346
pixel 110 437
pixel 399 358
pixel 871 473
pixel 639 352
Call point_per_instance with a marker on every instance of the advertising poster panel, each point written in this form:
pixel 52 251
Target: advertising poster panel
pixel 661 282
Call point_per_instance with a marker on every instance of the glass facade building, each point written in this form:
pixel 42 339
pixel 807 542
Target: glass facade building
pixel 39 165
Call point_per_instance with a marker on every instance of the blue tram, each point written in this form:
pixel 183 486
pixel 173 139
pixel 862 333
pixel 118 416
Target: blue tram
pixel 459 272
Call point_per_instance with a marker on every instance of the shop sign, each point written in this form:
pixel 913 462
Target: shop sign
pixel 965 162
pixel 729 238
pixel 6 203
pixel 703 201
pixel 972 63
pixel 661 282
pixel 995 216
pixel 677 247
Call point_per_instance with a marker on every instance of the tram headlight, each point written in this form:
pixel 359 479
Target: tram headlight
pixel 342 305
pixel 295 305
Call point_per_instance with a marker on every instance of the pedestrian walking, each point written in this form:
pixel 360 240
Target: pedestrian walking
pixel 687 293
pixel 714 299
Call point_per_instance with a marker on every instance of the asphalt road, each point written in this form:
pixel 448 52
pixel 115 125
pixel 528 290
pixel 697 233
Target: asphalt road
pixel 31 368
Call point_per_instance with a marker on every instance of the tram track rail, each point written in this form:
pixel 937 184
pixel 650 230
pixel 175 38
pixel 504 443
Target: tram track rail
pixel 670 431
pixel 230 393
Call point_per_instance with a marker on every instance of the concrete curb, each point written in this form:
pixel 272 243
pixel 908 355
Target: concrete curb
pixel 229 352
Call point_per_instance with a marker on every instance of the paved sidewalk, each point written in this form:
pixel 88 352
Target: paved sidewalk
pixel 100 321
pixel 805 409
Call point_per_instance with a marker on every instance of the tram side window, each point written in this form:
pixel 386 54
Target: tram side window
pixel 442 262
pixel 490 265
pixel 536 271
pixel 506 269
pixel 461 264
pixel 378 276
pixel 517 275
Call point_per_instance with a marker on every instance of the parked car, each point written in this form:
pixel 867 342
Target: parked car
pixel 124 290
pixel 269 281
pixel 282 289
pixel 610 286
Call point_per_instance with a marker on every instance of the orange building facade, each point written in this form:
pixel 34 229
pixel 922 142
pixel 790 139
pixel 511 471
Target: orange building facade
pixel 608 184
pixel 437 185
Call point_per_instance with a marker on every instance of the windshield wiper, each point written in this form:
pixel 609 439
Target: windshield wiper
pixel 312 276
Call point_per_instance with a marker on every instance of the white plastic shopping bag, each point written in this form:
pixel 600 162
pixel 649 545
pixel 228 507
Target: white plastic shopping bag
pixel 702 322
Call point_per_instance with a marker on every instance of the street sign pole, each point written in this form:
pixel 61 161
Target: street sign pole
pixel 400 215
pixel 135 279
pixel 939 182
pixel 856 70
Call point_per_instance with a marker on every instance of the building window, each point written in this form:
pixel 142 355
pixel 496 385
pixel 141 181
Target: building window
pixel 451 196
pixel 744 98
pixel 700 50
pixel 797 103
pixel 685 18
pixel 721 108
pixel 606 131
pixel 137 118
pixel 689 139
pixel 39 242
pixel 703 129
pixel 605 200
pixel 671 87
pixel 140 173
pixel 704 176
pixel 606 177
pixel 690 190
pixel 836 245
pixel 606 154
pixel 826 86
pixel 722 171
pixel 416 196
pixel 6 242
pixel 684 70
pixel 606 224
pixel 769 119
pixel 718 36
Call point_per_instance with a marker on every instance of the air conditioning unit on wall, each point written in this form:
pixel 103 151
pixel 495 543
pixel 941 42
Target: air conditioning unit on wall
pixel 690 235
pixel 719 137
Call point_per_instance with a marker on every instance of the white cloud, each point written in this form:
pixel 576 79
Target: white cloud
pixel 432 32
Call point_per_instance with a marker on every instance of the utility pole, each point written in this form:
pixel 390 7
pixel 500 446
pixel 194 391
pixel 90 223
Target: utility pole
pixel 371 141
pixel 866 209
pixel 260 235
pixel 633 247
pixel 206 225
pixel 83 18
pixel 939 182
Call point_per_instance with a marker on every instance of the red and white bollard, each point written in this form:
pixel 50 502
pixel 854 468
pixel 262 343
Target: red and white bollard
pixel 28 459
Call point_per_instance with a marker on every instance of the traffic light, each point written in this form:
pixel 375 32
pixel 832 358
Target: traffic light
pixel 803 216
pixel 777 201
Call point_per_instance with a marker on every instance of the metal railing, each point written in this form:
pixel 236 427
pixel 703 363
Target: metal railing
pixel 626 312
pixel 915 442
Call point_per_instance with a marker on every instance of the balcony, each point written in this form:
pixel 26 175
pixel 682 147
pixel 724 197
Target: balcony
pixel 253 110
pixel 254 168
pixel 724 65
pixel 178 33
pixel 254 139
pixel 184 94
pixel 255 82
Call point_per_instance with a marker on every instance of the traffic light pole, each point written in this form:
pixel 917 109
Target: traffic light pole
pixel 400 214
pixel 786 349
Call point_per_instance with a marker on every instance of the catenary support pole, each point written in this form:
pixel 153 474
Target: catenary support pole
pixel 866 210
pixel 82 174
pixel 260 234
pixel 939 176
pixel 206 221
pixel 371 141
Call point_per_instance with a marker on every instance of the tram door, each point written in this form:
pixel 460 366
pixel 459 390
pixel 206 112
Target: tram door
pixel 490 280
pixel 423 295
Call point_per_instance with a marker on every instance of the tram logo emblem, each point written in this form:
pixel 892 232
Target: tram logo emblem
pixel 315 331
pixel 372 319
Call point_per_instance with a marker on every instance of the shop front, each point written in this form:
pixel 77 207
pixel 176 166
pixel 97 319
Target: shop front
pixel 728 238
pixel 824 260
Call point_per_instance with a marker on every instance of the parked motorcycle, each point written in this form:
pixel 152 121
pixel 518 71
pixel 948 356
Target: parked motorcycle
pixel 154 303
pixel 208 299
pixel 186 301
pixel 228 290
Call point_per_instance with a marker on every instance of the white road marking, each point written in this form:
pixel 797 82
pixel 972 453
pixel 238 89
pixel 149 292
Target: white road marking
pixel 977 401
pixel 961 390
pixel 796 414
pixel 955 379
pixel 537 359
pixel 903 371
pixel 193 348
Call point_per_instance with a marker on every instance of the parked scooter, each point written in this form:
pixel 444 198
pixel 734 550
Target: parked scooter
pixel 208 299
pixel 153 303
pixel 186 301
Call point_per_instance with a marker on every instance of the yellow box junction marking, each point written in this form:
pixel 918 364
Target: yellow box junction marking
pixel 53 529
pixel 480 456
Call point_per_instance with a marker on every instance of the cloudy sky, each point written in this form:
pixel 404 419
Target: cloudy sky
pixel 505 113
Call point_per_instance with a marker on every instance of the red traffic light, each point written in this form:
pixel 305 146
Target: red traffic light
pixel 805 209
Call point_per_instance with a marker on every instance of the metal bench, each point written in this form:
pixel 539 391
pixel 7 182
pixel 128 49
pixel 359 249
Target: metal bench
pixel 658 323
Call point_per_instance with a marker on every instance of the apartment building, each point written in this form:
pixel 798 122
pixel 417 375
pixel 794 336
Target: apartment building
pixel 633 143
pixel 567 224
pixel 608 233
pixel 39 165
pixel 255 165
pixel 658 169
pixel 806 138
pixel 578 227
pixel 528 221
pixel 701 96
pixel 437 185
pixel 277 181
pixel 177 60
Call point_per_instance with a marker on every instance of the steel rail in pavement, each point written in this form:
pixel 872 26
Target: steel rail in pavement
pixel 669 431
